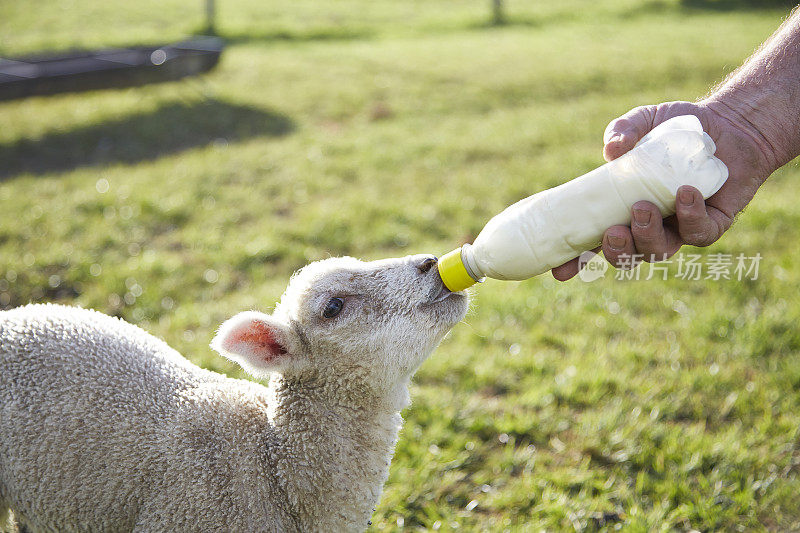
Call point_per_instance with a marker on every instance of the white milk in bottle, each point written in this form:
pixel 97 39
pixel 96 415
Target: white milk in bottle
pixel 551 227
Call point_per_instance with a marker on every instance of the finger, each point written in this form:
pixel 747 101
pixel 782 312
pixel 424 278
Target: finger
pixel 624 132
pixel 566 271
pixel 650 238
pixel 618 247
pixel 698 225
pixel 569 269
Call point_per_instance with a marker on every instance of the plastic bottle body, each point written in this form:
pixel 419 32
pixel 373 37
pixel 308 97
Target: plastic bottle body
pixel 556 225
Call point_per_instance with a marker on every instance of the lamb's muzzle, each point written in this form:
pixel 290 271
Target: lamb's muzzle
pixel 439 291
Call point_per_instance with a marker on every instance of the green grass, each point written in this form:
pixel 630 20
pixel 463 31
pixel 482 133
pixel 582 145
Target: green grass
pixel 385 128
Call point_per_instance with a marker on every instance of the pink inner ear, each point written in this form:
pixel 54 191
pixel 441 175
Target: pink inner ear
pixel 260 338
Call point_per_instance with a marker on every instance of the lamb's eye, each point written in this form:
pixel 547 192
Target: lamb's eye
pixel 333 308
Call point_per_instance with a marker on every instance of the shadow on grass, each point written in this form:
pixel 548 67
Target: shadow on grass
pixel 169 129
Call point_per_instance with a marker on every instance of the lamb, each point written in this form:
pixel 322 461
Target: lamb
pixel 104 427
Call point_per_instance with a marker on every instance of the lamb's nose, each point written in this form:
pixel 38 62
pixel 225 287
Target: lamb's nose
pixel 427 264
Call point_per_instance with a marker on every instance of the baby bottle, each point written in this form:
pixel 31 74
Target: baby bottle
pixel 553 226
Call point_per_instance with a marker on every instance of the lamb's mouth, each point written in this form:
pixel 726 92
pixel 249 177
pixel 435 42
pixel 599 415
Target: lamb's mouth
pixel 443 294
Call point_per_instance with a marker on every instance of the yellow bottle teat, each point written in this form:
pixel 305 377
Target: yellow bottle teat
pixel 453 272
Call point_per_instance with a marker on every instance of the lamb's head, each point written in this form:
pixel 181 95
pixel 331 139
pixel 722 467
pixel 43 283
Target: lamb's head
pixel 373 320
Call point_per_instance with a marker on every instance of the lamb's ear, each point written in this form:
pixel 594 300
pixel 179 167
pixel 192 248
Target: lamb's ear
pixel 259 343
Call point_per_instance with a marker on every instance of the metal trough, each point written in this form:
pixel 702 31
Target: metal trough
pixel 46 74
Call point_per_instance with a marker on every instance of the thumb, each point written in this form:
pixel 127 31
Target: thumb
pixel 624 132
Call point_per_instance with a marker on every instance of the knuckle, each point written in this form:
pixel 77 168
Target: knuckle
pixel 648 239
pixel 702 234
pixel 622 122
pixel 698 238
pixel 694 214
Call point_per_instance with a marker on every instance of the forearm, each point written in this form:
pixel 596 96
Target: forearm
pixel 763 95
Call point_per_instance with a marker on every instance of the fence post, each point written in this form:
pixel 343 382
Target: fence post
pixel 498 16
pixel 210 16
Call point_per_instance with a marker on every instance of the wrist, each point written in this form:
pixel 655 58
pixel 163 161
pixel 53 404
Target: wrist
pixel 759 122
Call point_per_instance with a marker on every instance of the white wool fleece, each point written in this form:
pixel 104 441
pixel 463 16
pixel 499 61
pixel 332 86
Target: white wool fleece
pixel 104 427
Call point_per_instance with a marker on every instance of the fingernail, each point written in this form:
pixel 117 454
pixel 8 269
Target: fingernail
pixel 616 242
pixel 614 137
pixel 641 217
pixel 686 197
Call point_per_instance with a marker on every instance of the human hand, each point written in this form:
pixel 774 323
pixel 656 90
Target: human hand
pixel 695 222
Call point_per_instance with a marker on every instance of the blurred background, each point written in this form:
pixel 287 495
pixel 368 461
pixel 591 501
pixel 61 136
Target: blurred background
pixel 386 128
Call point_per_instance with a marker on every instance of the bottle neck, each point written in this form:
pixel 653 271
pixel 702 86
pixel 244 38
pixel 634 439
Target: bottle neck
pixel 470 264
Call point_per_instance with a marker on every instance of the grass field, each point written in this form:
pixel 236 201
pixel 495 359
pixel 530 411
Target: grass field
pixel 386 128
